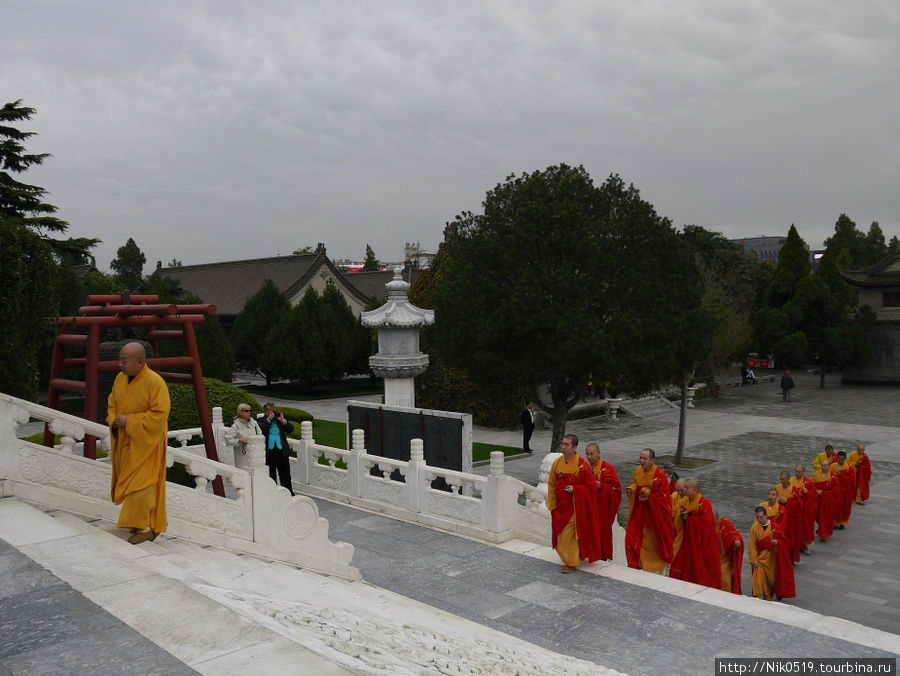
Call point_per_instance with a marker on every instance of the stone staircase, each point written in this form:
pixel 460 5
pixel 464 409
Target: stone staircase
pixel 645 407
pixel 223 611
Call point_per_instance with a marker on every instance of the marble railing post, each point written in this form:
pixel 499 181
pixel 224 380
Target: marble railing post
pixel 499 499
pixel 303 448
pixel 415 476
pixel 224 451
pixel 355 470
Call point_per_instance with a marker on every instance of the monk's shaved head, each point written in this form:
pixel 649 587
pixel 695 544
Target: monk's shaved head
pixel 679 487
pixel 691 487
pixel 132 357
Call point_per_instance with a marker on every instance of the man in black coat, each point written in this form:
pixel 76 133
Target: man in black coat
pixel 527 420
pixel 275 428
pixel 787 384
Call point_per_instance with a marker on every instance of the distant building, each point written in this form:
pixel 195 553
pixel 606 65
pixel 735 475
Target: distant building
pixel 879 288
pixel 416 257
pixel 764 248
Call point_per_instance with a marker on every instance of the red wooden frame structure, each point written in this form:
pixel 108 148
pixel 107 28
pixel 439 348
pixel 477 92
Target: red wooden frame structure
pixel 121 311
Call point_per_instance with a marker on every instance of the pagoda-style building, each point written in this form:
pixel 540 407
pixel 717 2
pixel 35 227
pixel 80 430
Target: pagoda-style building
pixel 879 287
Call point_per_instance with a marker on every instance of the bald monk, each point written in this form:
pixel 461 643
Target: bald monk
pixel 793 504
pixel 845 475
pixel 609 497
pixel 698 559
pixel 731 554
pixel 859 460
pixel 572 501
pixel 774 510
pixel 138 413
pixel 677 496
pixel 827 499
pixel 649 534
pixel 828 454
pixel 761 554
pixel 805 487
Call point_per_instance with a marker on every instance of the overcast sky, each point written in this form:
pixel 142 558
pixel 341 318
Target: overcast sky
pixel 214 131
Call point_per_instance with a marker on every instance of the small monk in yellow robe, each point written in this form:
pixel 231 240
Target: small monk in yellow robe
pixel 761 554
pixel 138 415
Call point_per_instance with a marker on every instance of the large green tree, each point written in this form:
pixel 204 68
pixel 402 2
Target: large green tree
pixel 129 265
pixel 371 263
pixel 262 311
pixel 847 244
pixel 29 260
pixel 876 248
pixel 558 280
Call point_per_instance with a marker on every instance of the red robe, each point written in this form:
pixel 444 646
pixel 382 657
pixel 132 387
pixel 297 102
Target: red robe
pixel 810 507
pixel 794 518
pixel 784 567
pixel 827 505
pixel 656 514
pixel 728 535
pixel 846 478
pixel 698 559
pixel 863 476
pixel 609 497
pixel 582 502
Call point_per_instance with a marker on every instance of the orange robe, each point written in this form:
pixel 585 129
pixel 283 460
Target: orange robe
pixel 698 559
pixel 677 522
pixel 775 511
pixel 817 463
pixel 793 520
pixel 827 502
pixel 138 455
pixel 807 490
pixel 863 466
pixel 609 497
pixel 846 478
pixel 573 516
pixel 649 534
pixel 760 551
pixel 731 555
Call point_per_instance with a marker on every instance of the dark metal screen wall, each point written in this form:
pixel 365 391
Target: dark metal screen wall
pixel 388 434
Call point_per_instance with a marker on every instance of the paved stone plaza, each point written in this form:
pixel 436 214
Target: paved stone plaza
pixel 627 620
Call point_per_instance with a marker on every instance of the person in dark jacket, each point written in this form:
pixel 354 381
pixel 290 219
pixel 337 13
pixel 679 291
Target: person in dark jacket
pixel 275 428
pixel 787 384
pixel 527 420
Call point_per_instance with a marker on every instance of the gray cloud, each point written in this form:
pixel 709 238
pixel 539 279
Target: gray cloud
pixel 210 131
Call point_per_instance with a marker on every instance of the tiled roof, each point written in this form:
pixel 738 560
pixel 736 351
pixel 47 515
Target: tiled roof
pixel 885 272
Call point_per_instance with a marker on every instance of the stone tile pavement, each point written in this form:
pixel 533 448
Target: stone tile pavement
pixel 46 627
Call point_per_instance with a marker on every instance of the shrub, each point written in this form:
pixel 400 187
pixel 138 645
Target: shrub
pixel 183 413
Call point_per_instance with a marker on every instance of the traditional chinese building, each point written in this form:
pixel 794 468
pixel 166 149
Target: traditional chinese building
pixel 879 287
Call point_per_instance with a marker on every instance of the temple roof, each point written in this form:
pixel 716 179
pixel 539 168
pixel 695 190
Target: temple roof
pixel 885 272
pixel 398 312
pixel 229 284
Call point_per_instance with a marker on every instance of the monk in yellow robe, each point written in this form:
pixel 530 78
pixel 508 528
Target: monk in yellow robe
pixel 773 508
pixel 828 454
pixel 678 522
pixel 761 554
pixel 859 460
pixel 649 535
pixel 138 417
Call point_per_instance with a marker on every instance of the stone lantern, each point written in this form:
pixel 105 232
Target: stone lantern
pixel 398 360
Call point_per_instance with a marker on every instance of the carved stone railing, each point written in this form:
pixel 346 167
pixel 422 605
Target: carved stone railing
pixel 261 518
pixel 483 507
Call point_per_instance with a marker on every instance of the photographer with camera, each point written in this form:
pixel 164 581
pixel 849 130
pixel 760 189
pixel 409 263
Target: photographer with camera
pixel 275 428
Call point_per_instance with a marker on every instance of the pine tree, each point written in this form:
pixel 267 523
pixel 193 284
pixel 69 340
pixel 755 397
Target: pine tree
pixel 371 263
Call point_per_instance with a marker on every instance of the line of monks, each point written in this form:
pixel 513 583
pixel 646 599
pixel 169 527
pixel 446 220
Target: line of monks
pixel 673 528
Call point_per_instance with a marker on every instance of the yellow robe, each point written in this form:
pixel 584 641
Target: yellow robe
pixel 139 449
pixel 817 463
pixel 771 510
pixel 677 502
pixel 651 561
pixel 763 580
pixel 567 541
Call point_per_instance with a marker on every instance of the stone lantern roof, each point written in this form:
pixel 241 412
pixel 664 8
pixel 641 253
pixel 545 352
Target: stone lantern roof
pixel 397 312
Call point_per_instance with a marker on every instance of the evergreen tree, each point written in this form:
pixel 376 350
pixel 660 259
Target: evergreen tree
pixel 261 313
pixel 129 265
pixel 848 244
pixel 371 263
pixel 793 265
pixel 876 249
pixel 894 245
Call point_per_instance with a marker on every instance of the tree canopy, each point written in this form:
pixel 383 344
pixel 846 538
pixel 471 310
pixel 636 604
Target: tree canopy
pixel 371 263
pixel 129 265
pixel 558 281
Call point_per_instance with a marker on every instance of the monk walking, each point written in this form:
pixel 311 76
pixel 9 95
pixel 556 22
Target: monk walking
pixel 138 414
pixel 731 554
pixel 677 521
pixel 649 535
pixel 804 487
pixel 698 559
pixel 845 475
pixel 859 460
pixel 772 572
pixel 572 501
pixel 827 499
pixel 609 497
pixel 793 504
